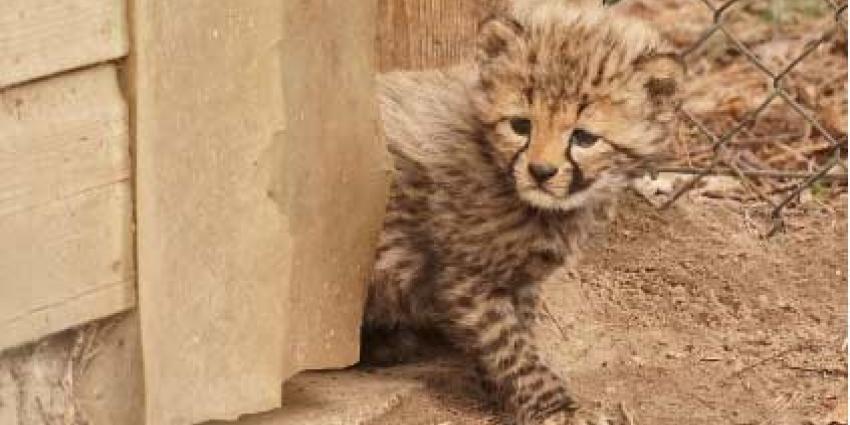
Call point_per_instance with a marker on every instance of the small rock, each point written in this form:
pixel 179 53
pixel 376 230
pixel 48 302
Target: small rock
pixel 637 360
pixel 674 355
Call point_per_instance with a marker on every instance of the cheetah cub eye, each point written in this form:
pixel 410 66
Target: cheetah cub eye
pixel 521 126
pixel 583 138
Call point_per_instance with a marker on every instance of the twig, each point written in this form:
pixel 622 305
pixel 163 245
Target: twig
pixel 800 154
pixel 752 173
pixel 767 359
pixel 749 183
pixel 18 381
pixel 776 214
pixel 555 321
pixel 68 386
pixel 837 372
pixel 762 140
pixel 781 405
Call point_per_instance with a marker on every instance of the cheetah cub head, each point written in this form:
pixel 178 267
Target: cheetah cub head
pixel 574 101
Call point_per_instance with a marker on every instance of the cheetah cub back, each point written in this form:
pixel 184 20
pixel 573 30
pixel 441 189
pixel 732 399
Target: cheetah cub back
pixel 499 165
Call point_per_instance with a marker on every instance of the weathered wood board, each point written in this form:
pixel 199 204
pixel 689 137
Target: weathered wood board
pixel 43 37
pixel 420 34
pixel 213 248
pixel 336 168
pixel 65 204
pixel 261 185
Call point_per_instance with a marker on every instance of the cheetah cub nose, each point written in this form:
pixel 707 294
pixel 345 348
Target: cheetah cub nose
pixel 541 172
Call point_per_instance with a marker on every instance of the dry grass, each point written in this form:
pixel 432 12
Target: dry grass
pixel 725 86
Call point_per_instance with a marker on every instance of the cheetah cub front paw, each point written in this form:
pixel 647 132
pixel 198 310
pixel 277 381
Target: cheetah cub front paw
pixel 560 418
pixel 588 417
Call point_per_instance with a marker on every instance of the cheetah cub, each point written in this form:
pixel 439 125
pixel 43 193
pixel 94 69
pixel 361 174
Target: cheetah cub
pixel 498 168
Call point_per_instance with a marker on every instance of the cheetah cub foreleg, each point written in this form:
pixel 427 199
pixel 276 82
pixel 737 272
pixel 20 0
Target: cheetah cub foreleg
pixel 495 330
pixel 498 167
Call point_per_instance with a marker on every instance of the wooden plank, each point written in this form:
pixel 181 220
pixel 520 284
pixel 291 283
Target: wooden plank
pixel 43 37
pixel 421 34
pixel 213 248
pixel 337 180
pixel 250 117
pixel 60 137
pixel 65 204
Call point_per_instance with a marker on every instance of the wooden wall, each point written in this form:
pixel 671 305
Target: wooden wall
pixel 65 196
pixel 255 234
pixel 66 211
pixel 39 38
pixel 419 34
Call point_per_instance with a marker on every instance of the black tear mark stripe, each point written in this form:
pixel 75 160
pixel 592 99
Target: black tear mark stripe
pixel 577 182
pixel 516 156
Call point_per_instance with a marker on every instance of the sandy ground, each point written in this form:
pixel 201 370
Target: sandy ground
pixel 687 316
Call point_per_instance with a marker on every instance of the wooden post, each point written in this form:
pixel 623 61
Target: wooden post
pixel 261 187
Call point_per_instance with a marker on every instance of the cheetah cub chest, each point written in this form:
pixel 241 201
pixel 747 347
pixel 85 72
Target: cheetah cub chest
pixel 498 165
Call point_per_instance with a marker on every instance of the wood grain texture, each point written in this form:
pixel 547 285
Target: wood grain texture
pixel 43 37
pixel 65 204
pixel 421 34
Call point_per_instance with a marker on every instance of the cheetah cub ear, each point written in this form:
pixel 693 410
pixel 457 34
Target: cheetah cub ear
pixel 500 47
pixel 661 75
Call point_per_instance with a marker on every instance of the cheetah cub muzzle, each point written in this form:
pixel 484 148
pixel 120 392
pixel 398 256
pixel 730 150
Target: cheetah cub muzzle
pixel 499 166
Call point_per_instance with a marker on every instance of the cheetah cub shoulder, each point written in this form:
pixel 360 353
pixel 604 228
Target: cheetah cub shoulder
pixel 498 165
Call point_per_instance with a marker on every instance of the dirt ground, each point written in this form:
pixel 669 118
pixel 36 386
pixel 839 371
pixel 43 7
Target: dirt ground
pixel 687 316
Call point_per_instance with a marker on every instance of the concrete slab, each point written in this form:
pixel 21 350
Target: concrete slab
pixel 347 397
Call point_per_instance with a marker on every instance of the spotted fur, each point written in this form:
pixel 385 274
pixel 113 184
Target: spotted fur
pixel 470 232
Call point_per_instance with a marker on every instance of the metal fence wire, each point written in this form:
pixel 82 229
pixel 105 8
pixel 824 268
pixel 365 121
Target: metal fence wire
pixel 721 161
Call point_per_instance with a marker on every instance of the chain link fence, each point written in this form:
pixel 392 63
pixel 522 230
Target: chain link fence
pixel 823 148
